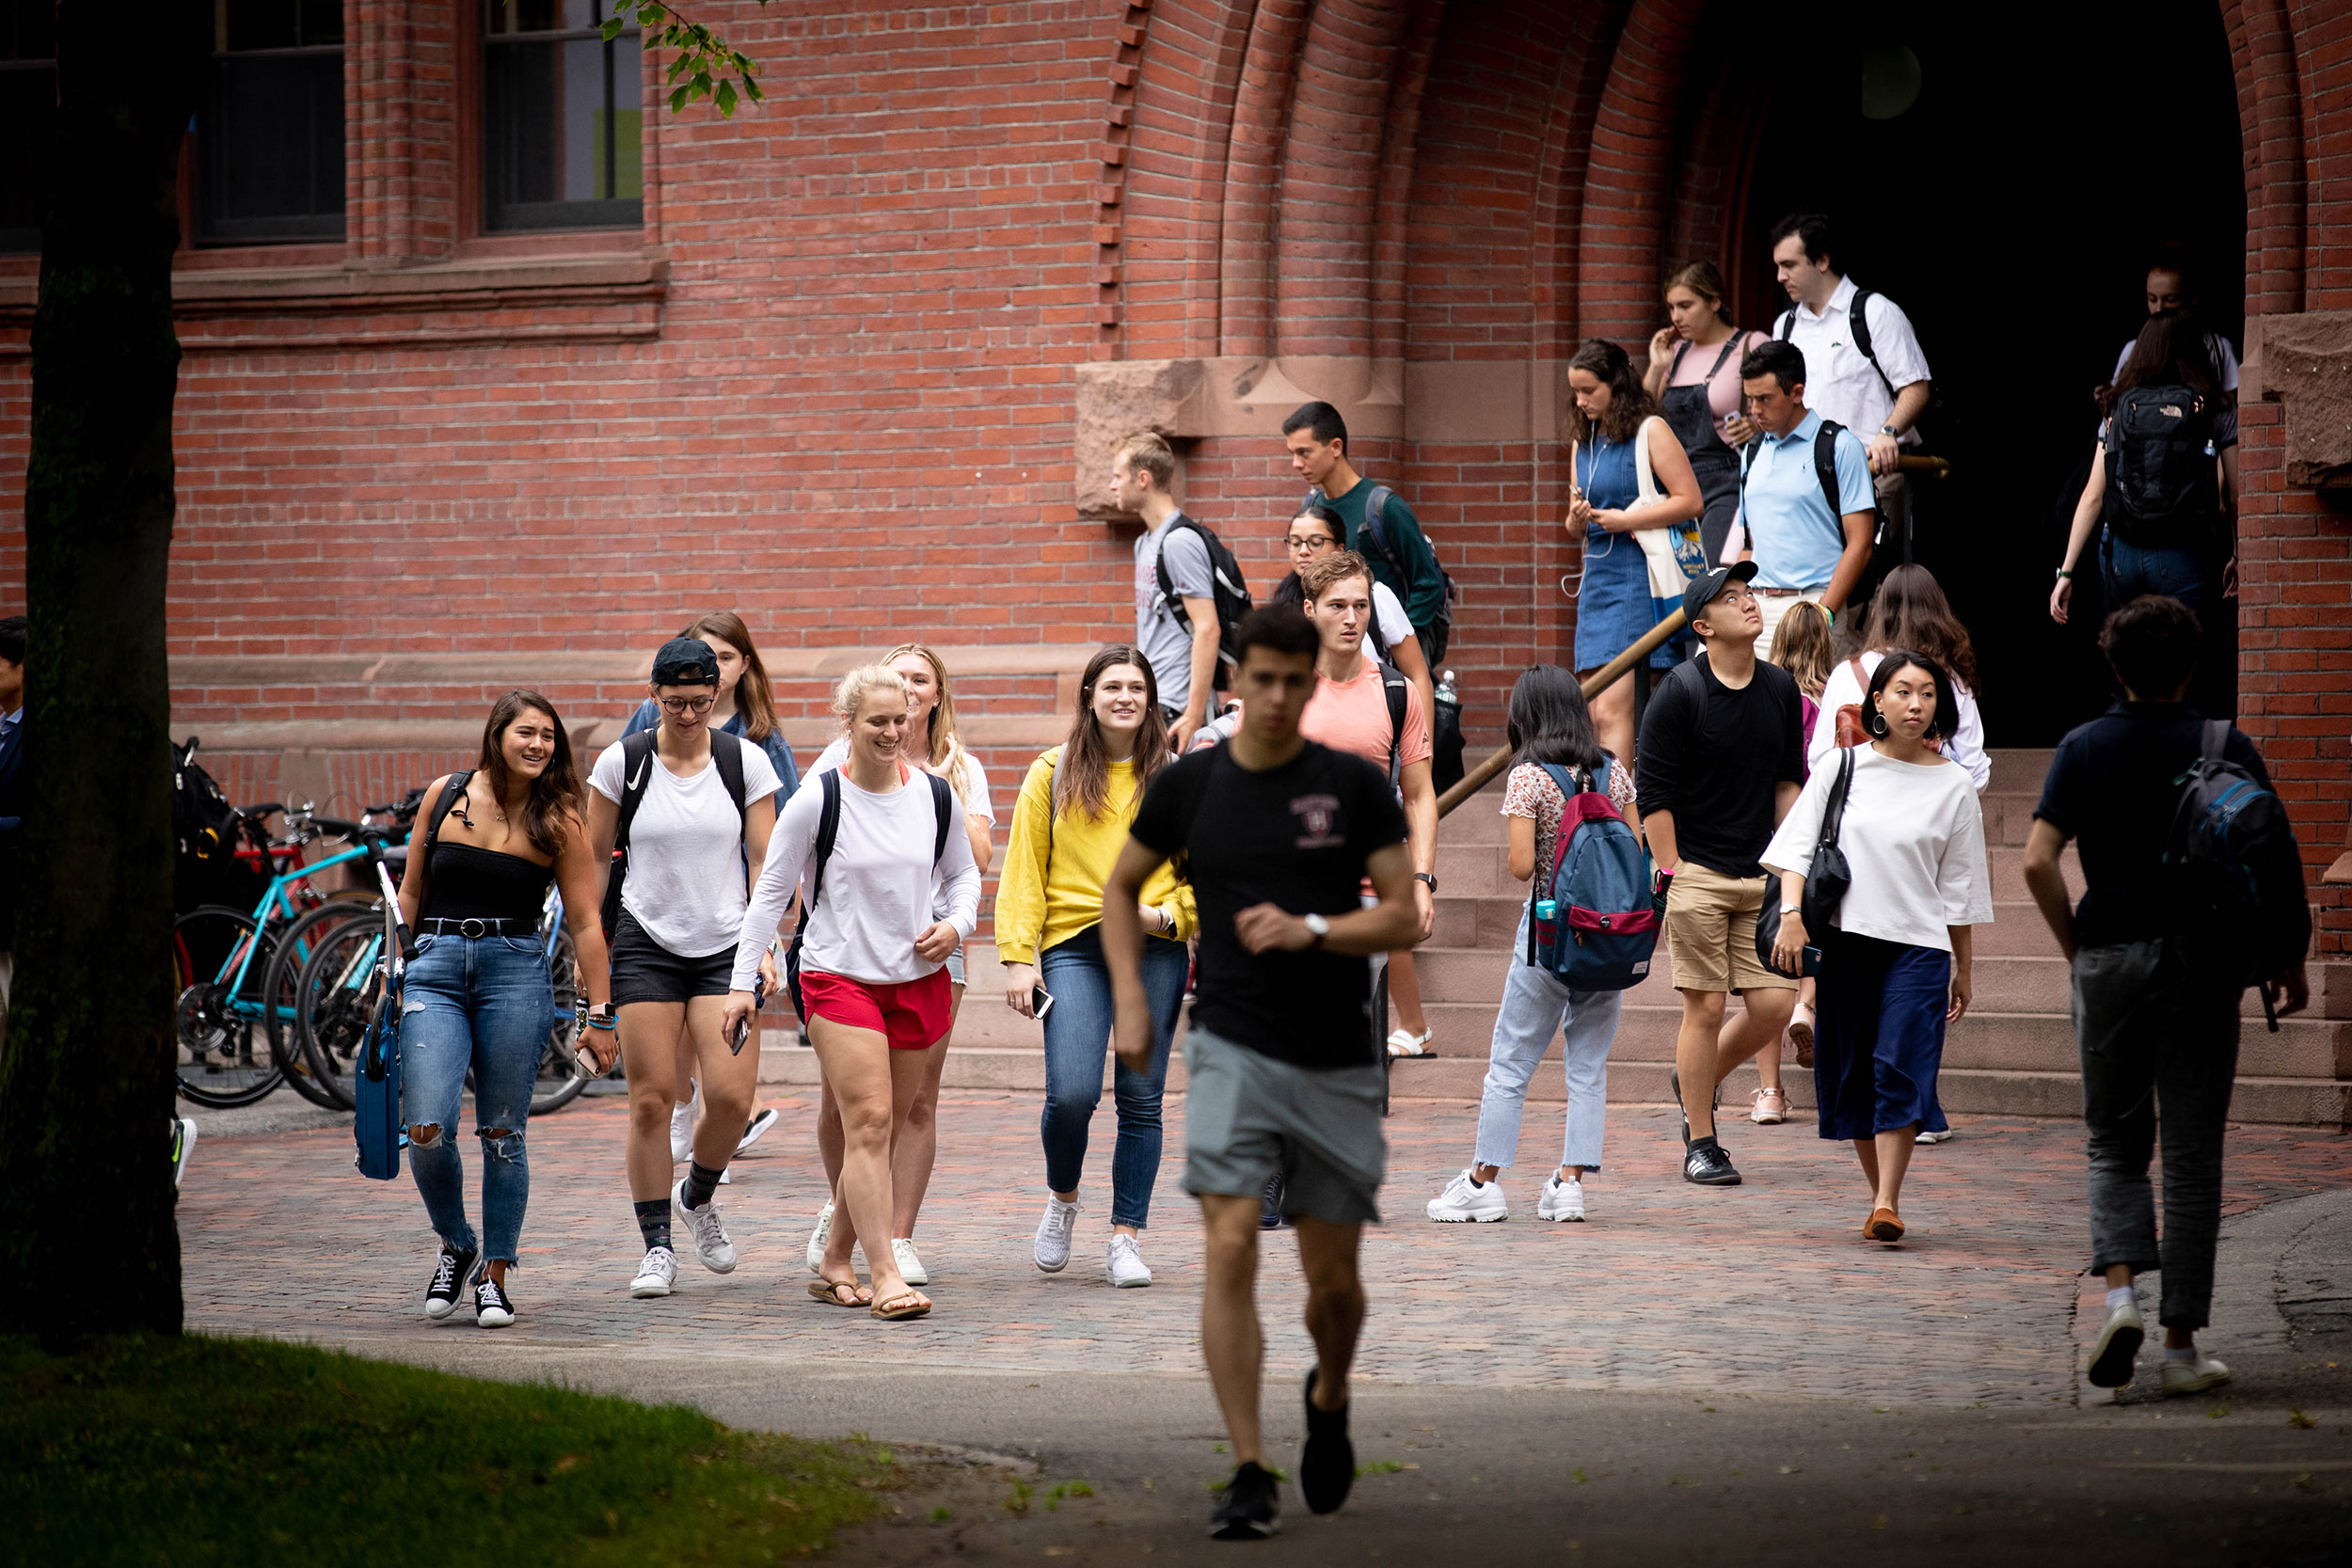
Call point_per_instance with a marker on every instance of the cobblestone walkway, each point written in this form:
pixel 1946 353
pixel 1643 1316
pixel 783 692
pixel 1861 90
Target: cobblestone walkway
pixel 1760 1289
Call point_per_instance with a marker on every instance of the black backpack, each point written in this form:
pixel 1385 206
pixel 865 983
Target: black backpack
pixel 1825 471
pixel 637 765
pixel 206 834
pixel 2160 468
pixel 1435 637
pixel 828 829
pixel 2241 874
pixel 1857 321
pixel 1228 590
pixel 1393 683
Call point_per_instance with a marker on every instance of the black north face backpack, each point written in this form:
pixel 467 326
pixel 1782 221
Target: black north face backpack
pixel 2162 488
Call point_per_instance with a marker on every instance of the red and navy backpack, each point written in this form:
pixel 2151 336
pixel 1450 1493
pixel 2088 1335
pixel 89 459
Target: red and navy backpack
pixel 1602 927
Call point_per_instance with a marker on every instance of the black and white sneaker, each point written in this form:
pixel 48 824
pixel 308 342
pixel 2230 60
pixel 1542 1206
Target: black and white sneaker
pixel 1326 1463
pixel 1270 1206
pixel 182 1145
pixel 1250 1507
pixel 449 1277
pixel 1706 1163
pixel 492 1308
pixel 758 1126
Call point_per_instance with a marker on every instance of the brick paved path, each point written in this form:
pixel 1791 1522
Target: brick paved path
pixel 1759 1288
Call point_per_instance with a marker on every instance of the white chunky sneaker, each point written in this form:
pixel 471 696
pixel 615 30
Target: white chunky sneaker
pixel 1562 1203
pixel 656 1275
pixel 710 1237
pixel 1464 1201
pixel 1124 1265
pixel 2119 1342
pixel 816 1241
pixel 682 1129
pixel 2194 1377
pixel 1052 1234
pixel 910 1262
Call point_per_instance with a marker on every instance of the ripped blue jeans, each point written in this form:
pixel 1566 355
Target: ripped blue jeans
pixel 483 1003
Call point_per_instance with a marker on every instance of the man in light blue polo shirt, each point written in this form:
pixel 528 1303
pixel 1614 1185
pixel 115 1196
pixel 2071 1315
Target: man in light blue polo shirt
pixel 1803 549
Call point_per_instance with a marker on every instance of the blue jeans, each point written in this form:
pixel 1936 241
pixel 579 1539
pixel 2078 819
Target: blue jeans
pixel 483 1003
pixel 1534 1005
pixel 2128 571
pixel 1077 1032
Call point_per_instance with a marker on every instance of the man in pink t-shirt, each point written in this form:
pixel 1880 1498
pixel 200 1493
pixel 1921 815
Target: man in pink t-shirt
pixel 1350 712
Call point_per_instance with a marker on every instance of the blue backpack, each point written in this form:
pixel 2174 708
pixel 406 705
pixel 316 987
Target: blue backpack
pixel 2238 868
pixel 1591 926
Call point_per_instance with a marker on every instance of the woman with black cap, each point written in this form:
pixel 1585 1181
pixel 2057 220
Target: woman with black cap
pixel 685 805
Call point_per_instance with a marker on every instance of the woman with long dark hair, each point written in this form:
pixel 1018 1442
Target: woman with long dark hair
pixel 2187 556
pixel 1895 970
pixel 1910 611
pixel 1066 830
pixel 1630 477
pixel 1699 394
pixel 478 997
pixel 1549 726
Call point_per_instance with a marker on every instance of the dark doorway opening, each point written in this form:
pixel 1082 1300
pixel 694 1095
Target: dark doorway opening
pixel 2009 207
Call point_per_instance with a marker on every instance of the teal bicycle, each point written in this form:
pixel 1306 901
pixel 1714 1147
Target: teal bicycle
pixel 234 970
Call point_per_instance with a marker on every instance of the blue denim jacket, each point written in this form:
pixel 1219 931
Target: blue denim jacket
pixel 648 714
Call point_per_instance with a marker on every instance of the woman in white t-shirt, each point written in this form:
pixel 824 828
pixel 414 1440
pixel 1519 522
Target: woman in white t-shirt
pixel 1910 611
pixel 871 960
pixel 684 882
pixel 1895 971
pixel 931 742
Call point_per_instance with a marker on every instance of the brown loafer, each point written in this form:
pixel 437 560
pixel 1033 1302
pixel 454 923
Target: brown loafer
pixel 1884 1225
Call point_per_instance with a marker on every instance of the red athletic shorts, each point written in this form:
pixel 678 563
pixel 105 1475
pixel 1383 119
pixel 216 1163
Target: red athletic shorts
pixel 914 1015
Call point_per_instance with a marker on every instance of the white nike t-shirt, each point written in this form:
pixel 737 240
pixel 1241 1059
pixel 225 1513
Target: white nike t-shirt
pixel 686 881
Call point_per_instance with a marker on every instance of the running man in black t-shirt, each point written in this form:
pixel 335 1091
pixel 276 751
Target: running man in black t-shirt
pixel 1274 833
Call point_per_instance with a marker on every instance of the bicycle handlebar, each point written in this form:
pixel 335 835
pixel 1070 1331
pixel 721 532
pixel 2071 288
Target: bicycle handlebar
pixel 267 808
pixel 335 827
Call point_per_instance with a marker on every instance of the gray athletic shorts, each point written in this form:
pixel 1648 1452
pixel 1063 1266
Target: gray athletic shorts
pixel 1248 1115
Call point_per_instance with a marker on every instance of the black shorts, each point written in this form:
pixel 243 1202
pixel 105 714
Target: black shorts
pixel 644 971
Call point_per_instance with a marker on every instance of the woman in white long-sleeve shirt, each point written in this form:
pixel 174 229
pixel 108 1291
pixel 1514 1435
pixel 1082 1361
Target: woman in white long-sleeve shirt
pixel 873 985
pixel 1896 971
pixel 1910 611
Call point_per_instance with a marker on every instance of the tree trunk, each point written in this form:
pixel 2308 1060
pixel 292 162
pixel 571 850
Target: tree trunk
pixel 85 1081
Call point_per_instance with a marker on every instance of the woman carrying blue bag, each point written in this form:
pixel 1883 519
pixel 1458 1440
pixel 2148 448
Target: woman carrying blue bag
pixel 478 996
pixel 1549 728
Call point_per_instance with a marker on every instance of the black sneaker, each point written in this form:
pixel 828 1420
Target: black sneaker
pixel 449 1277
pixel 1251 1507
pixel 1674 1082
pixel 492 1306
pixel 1706 1163
pixel 1270 1211
pixel 1327 1464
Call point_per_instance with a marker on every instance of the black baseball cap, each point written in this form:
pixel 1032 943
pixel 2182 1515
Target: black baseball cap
pixel 1702 588
pixel 685 661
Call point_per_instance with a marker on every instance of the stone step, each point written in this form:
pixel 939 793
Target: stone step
pixel 1482 871
pixel 1493 921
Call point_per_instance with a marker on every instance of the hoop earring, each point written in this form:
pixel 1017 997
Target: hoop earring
pixel 1874 722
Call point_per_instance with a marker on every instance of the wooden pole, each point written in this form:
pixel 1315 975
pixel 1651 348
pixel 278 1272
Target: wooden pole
pixel 1604 678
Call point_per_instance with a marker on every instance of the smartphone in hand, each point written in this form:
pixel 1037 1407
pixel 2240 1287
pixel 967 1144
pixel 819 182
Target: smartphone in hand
pixel 1041 1002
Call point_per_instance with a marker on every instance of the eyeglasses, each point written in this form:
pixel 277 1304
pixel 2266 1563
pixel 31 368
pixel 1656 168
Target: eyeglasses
pixel 1307 541
pixel 689 704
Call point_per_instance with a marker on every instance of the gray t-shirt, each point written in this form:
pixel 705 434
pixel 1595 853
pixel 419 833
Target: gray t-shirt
pixel 1162 638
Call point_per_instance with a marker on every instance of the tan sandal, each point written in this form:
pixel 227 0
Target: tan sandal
pixel 905 1305
pixel 831 1290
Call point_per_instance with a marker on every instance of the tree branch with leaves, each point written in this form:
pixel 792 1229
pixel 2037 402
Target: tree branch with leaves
pixel 703 65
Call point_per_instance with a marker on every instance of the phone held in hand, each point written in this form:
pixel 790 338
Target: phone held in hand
pixel 1041 1002
pixel 743 1026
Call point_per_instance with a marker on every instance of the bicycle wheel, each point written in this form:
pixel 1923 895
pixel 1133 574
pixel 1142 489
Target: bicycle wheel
pixel 282 987
pixel 559 1082
pixel 335 995
pixel 219 961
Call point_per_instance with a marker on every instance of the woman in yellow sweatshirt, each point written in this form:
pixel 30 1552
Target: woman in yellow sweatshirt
pixel 1066 830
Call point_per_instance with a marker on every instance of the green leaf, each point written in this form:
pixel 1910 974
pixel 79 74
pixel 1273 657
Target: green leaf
pixel 726 100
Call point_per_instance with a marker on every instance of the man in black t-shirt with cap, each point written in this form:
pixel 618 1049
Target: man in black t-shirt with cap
pixel 1276 834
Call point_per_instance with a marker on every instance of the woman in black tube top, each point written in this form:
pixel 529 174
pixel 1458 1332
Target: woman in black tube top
pixel 478 996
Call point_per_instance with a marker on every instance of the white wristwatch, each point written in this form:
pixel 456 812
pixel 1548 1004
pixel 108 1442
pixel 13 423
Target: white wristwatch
pixel 1792 909
pixel 1317 927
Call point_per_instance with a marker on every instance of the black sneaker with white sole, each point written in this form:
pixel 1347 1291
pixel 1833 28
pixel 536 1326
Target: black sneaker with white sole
pixel 449 1278
pixel 1270 1204
pixel 1249 1508
pixel 1706 1163
pixel 492 1306
pixel 757 1127
pixel 1327 1464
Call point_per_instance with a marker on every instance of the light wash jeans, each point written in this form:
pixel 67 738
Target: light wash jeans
pixel 484 1003
pixel 1535 1005
pixel 1077 1033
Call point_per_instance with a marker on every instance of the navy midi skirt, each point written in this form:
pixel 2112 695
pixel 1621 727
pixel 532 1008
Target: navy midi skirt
pixel 1878 1036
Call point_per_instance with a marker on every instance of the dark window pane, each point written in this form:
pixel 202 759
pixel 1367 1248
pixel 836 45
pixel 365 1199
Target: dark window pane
pixel 271 144
pixel 28 29
pixel 560 149
pixel 262 24
pixel 322 21
pixel 29 99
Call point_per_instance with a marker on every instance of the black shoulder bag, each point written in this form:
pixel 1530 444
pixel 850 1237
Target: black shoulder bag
pixel 1825 881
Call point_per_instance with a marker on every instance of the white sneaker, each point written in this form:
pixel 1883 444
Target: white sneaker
pixel 1943 1138
pixel 710 1237
pixel 1052 1234
pixel 1125 1265
pixel 2118 1344
pixel 910 1263
pixel 656 1275
pixel 1462 1201
pixel 817 1239
pixel 682 1131
pixel 1562 1201
pixel 2194 1377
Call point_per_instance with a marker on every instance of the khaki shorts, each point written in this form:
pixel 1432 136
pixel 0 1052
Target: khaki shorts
pixel 1711 931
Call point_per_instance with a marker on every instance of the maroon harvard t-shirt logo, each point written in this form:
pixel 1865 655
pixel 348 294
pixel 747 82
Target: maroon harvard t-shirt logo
pixel 1315 813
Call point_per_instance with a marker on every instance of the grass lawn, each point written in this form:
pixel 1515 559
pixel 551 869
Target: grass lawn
pixel 206 1451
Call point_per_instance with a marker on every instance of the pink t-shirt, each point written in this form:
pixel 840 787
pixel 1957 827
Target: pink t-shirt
pixel 1722 391
pixel 1353 716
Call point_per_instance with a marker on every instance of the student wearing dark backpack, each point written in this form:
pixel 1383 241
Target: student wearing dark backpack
pixel 2160 966
pixel 686 806
pixel 1549 727
pixel 1805 497
pixel 875 850
pixel 1176 613
pixel 1380 527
